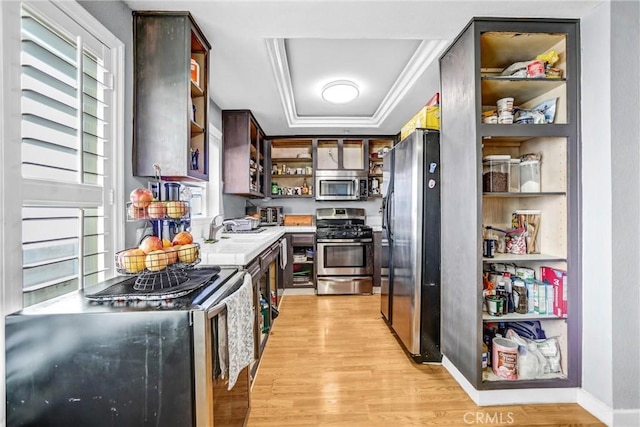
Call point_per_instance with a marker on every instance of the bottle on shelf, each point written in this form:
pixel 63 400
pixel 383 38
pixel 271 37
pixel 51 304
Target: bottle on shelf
pixel 264 311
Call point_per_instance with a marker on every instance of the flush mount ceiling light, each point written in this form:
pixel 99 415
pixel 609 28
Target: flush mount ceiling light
pixel 340 92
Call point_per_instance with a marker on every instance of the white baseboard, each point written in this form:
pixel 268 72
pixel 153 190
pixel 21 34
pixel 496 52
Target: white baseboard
pixel 461 379
pixel 511 396
pixel 596 407
pixel 606 414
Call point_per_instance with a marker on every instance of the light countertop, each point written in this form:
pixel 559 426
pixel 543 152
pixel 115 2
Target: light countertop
pixel 240 249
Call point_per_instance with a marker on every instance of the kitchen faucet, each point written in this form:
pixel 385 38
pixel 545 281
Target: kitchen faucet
pixel 215 228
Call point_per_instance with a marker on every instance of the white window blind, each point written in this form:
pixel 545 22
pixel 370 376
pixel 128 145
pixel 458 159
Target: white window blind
pixel 67 143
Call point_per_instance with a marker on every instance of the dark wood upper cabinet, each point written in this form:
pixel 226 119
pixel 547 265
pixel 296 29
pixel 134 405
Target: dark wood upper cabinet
pixel 244 154
pixel 171 96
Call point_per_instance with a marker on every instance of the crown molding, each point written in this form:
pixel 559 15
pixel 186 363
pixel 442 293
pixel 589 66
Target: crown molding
pixel 425 54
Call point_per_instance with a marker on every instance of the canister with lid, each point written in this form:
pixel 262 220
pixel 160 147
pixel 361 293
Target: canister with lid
pixel 495 173
pixel 530 176
pixel 514 176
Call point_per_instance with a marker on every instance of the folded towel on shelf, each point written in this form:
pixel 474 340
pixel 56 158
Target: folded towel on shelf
pixel 235 327
pixel 283 254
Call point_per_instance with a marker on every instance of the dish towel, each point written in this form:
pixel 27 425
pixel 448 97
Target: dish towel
pixel 283 254
pixel 235 328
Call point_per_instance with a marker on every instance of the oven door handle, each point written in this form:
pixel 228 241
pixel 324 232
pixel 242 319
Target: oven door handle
pixel 236 282
pixel 345 279
pixel 341 242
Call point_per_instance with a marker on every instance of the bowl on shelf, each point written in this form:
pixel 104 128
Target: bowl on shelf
pixel 299 258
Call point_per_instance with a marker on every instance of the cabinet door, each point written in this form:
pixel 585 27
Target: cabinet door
pixel 168 130
pixel 244 154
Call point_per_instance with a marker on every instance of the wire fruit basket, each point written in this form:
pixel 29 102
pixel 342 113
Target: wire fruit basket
pixel 157 210
pixel 134 261
pixel 158 269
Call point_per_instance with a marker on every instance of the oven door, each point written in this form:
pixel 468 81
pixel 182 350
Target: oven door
pixel 214 403
pixel 345 257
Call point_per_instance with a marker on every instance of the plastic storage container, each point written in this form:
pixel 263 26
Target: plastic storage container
pixel 530 176
pixel 514 176
pixel 495 174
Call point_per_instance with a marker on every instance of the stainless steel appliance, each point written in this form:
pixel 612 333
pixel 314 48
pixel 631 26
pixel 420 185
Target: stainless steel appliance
pixel 341 185
pixel 75 361
pixel 412 222
pixel 269 215
pixel 384 278
pixel 344 252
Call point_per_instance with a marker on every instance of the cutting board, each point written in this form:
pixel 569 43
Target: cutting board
pixel 292 220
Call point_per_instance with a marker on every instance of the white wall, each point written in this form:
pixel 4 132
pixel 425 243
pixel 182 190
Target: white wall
pixel 611 211
pixel 625 156
pixel 596 205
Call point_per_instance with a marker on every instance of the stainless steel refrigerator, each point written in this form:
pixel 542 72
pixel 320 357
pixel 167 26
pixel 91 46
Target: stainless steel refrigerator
pixel 411 220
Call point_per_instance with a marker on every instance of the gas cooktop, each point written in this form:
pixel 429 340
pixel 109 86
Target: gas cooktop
pixel 345 231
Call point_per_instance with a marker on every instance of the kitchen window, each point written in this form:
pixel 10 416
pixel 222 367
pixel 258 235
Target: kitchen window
pixel 69 139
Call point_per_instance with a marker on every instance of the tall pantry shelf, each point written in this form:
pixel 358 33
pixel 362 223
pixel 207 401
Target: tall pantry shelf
pixel 517 200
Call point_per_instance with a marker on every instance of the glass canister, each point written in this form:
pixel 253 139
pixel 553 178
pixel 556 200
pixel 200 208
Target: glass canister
pixel 514 176
pixel 495 173
pixel 172 190
pixel 530 176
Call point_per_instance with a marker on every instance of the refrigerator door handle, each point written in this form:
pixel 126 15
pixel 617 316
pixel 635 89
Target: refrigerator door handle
pixel 384 213
pixel 389 218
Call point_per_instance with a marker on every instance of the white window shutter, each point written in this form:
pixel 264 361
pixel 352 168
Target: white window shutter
pixel 67 141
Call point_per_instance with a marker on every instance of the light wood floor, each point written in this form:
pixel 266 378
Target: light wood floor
pixel 333 361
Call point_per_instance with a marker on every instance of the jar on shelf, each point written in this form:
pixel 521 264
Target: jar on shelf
pixel 495 173
pixel 195 72
pixel 274 188
pixel 530 176
pixel 514 176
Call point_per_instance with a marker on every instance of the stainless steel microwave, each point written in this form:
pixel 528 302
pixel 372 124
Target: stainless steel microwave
pixel 341 185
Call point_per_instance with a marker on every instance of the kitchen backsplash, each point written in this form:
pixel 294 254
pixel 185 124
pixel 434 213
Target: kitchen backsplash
pixel 234 207
pixel 309 206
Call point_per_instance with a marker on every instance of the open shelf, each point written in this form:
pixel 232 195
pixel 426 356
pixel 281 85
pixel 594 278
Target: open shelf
pixel 493 378
pixel 523 258
pixel 517 317
pixel 291 175
pixel 515 194
pixel 196 91
pixel 291 160
pixel 521 90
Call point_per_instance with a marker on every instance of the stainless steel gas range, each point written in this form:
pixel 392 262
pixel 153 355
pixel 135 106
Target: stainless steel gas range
pixel 344 252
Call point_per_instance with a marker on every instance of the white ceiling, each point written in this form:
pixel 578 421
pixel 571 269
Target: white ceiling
pixel 272 57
